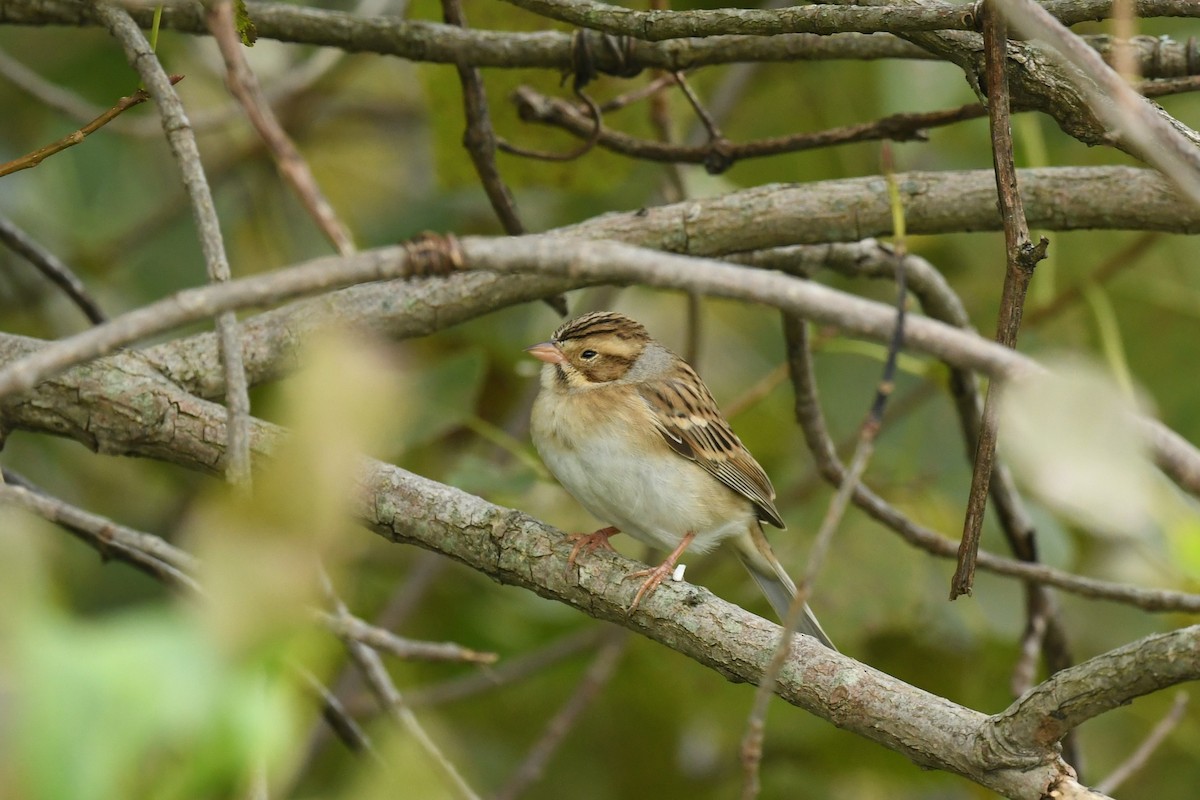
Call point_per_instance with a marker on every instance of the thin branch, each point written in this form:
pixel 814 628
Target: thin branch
pixel 54 269
pixel 1021 256
pixel 42 153
pixel 796 337
pixel 1169 86
pixel 244 86
pixel 480 142
pixel 390 699
pixel 597 676
pixel 938 300
pixel 192 305
pixel 719 154
pixel 337 717
pixel 510 670
pixel 480 137
pixel 348 626
pixel 1138 758
pixel 187 156
pixel 146 553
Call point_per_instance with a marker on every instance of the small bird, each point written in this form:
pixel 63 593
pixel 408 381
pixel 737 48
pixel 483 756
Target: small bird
pixel 634 435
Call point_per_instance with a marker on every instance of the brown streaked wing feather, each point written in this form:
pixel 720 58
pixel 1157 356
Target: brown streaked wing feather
pixel 689 420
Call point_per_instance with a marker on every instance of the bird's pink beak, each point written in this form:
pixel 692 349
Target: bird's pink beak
pixel 548 352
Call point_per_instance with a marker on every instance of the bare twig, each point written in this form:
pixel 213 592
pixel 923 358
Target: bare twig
pixel 938 300
pixel 336 716
pixel 347 626
pixel 481 143
pixel 187 156
pixel 244 86
pixel 146 553
pixel 49 265
pixel 597 676
pixel 42 153
pixel 651 89
pixel 590 135
pixel 390 699
pixel 1138 758
pixel 718 154
pixel 1140 127
pixel 1021 258
pixel 480 137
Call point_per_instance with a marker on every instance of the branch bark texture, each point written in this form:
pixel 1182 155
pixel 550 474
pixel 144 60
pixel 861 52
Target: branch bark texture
pixel 133 410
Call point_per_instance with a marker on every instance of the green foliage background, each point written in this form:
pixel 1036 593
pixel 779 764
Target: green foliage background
pixel 103 646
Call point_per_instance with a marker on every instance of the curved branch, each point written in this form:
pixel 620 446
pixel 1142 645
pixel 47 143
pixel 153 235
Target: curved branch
pixel 719 154
pixel 63 406
pixel 1047 712
pixel 164 422
pixel 779 215
pixel 586 263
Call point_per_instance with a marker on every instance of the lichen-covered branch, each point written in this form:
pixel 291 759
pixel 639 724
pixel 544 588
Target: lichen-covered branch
pixel 126 407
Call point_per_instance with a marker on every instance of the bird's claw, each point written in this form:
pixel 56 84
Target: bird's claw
pixel 590 543
pixel 654 577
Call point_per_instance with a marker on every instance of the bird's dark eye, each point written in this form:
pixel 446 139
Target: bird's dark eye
pixel 588 354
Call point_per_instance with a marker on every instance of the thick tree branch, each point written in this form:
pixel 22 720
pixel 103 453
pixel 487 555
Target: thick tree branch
pixel 587 263
pixel 1040 82
pixel 446 44
pixel 750 220
pixel 659 25
pixel 514 549
pixel 1138 126
pixel 137 416
pixel 1046 713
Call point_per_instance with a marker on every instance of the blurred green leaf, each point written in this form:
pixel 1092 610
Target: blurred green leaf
pixel 133 704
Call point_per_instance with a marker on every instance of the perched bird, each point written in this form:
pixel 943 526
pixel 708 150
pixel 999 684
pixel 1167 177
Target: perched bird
pixel 634 435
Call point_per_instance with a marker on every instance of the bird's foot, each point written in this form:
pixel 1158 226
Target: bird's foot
pixel 657 575
pixel 590 543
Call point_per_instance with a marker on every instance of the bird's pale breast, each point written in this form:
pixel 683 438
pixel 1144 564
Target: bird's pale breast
pixel 606 452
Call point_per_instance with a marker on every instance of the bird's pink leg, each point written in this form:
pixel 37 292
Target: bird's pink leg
pixel 658 574
pixel 590 542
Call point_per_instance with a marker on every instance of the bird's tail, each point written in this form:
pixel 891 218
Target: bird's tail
pixel 758 558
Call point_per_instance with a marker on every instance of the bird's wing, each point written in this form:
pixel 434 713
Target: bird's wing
pixel 689 420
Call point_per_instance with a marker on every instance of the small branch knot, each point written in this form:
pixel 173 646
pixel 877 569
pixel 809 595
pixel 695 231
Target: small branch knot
pixel 594 52
pixel 720 156
pixel 432 253
pixel 1030 254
